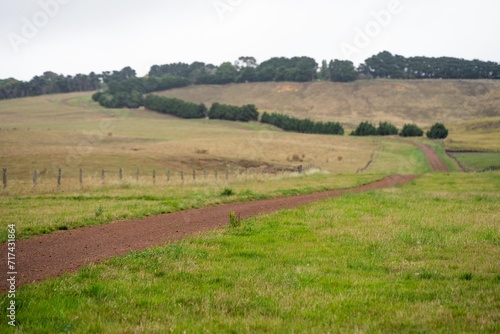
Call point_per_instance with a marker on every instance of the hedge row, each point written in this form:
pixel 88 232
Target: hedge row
pixel 293 124
pixel 175 107
pixel 245 113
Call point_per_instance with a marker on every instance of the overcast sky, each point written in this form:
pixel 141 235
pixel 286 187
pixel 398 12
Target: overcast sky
pixel 80 36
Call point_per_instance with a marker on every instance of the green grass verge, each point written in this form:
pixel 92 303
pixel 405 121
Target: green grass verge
pixel 412 259
pixel 478 161
pixel 41 214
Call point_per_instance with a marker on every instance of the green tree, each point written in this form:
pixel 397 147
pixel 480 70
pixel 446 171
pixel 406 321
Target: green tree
pixel 437 131
pixel 365 129
pixel 387 129
pixel 343 71
pixel 411 130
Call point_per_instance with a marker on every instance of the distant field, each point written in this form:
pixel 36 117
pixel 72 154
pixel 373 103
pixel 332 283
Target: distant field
pixel 418 258
pixel 398 101
pixel 70 131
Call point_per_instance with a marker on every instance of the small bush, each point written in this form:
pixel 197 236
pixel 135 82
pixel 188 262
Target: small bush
pixel 387 129
pixel 411 130
pixel 365 129
pixel 234 221
pixel 99 211
pixel 437 131
pixel 227 192
pixel 466 277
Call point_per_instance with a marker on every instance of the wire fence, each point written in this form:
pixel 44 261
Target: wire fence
pixel 61 180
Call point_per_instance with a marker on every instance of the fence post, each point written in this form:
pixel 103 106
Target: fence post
pixel 194 175
pixel 227 174
pixel 102 178
pixel 182 176
pixel 4 177
pixel 35 175
pixel 120 174
pixel 81 178
pixel 168 175
pixel 216 175
pixel 154 176
pixel 137 175
pixel 59 176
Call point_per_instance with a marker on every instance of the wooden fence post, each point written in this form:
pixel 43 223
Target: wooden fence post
pixel 81 178
pixel 120 174
pixel 59 176
pixel 137 175
pixel 194 175
pixel 154 176
pixel 102 178
pixel 35 177
pixel 216 175
pixel 182 176
pixel 4 177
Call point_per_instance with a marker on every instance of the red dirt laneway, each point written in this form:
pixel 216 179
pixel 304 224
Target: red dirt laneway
pixel 435 161
pixel 52 255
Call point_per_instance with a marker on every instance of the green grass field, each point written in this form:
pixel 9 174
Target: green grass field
pixel 418 258
pixel 478 161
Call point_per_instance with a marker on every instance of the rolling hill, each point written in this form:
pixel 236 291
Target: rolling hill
pixel 398 101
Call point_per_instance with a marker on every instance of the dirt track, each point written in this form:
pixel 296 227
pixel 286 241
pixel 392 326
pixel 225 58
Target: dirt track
pixel 52 255
pixel 436 163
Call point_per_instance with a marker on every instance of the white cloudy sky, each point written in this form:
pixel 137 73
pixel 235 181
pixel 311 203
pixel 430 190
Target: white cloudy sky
pixel 99 35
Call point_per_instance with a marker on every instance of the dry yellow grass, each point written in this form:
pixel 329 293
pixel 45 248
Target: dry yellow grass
pixel 475 135
pixel 71 132
pixel 398 101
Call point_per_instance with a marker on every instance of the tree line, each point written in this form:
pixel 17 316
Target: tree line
pixel 183 109
pixel 293 124
pixel 437 131
pixel 247 69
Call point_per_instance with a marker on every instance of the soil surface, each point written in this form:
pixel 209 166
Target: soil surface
pixel 52 255
pixel 436 163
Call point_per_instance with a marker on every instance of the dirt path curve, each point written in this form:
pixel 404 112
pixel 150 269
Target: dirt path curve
pixel 437 164
pixel 52 255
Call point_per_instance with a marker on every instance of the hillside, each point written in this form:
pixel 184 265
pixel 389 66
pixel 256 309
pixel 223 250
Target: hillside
pixel 398 101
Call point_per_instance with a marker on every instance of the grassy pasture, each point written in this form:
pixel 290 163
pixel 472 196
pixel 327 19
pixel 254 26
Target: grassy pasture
pixel 70 131
pixel 36 214
pixel 482 135
pixel 478 161
pixel 417 258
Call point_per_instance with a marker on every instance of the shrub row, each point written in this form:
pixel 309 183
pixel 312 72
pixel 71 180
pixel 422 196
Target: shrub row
pixel 245 113
pixel 293 124
pixel 368 129
pixel 437 131
pixel 175 107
